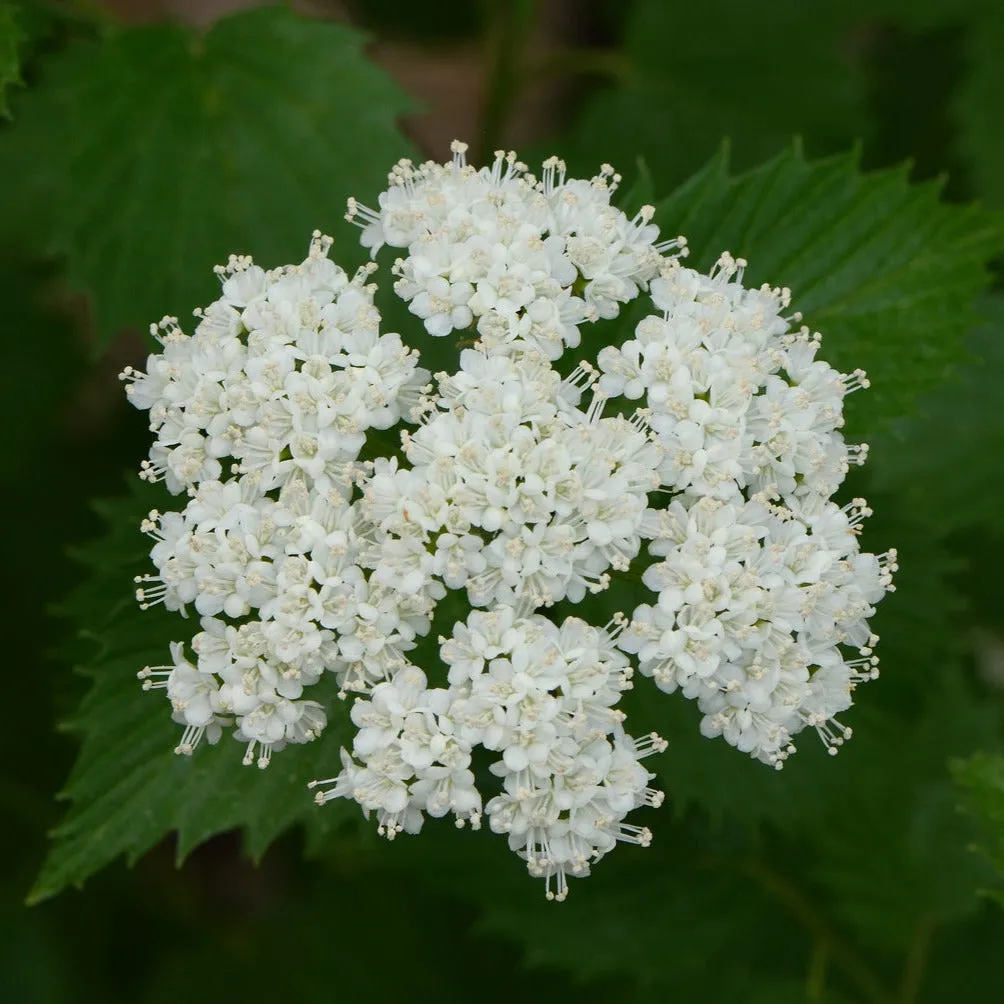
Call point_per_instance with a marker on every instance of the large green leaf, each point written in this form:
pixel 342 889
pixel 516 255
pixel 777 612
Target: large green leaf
pixel 10 67
pixel 150 156
pixel 127 789
pixel 885 271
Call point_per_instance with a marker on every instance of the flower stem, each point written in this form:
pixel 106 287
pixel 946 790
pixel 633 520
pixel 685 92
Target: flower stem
pixel 916 960
pixel 815 979
pixel 608 64
pixel 511 21
pixel 802 908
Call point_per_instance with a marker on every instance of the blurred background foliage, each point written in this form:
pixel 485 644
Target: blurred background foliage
pixel 146 140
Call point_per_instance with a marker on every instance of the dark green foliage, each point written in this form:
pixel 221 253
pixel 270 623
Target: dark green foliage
pixel 955 429
pixel 834 71
pixel 892 853
pixel 149 156
pixel 978 103
pixel 457 19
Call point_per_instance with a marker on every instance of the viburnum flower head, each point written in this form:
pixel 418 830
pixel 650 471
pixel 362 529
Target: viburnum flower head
pixel 340 501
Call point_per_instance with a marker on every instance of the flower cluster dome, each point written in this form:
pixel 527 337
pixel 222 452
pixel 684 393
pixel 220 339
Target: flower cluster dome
pixel 523 261
pixel 700 454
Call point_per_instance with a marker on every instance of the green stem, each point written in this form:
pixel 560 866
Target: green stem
pixel 511 24
pixel 609 64
pixel 916 960
pixel 804 910
pixel 815 979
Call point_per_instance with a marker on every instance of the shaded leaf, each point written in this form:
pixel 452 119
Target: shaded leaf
pixel 977 105
pixel 150 156
pixel 656 916
pixel 642 190
pixel 39 341
pixel 893 854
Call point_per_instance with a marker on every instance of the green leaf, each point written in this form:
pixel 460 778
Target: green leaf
pixel 959 430
pixel 642 190
pixel 150 156
pixel 127 789
pixel 885 271
pixel 893 853
pixel 694 74
pixel 981 779
pixel 10 63
pixel 657 916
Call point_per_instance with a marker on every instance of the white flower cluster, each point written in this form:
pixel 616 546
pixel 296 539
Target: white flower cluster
pixel 761 579
pixel 541 695
pixel 285 372
pixel 513 492
pixel 525 261
pixel 277 387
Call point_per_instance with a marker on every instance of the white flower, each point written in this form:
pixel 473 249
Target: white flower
pixel 318 536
